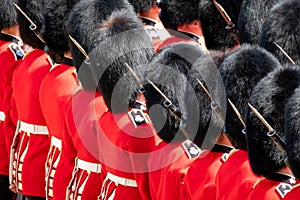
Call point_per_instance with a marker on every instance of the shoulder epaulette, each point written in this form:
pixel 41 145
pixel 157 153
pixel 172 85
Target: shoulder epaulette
pixel 138 117
pixel 191 149
pixel 17 51
pixel 283 188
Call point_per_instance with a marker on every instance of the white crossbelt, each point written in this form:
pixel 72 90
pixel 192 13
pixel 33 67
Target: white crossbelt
pixel 33 129
pixel 88 166
pixel 56 142
pixel 2 116
pixel 120 180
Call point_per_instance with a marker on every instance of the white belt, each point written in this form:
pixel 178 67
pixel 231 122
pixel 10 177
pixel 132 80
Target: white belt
pixel 121 181
pixel 2 116
pixel 33 129
pixel 56 142
pixel 88 166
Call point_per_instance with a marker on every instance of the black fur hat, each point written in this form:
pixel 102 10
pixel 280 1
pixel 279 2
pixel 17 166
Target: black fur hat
pixel 120 39
pixel 8 14
pixel 209 125
pixel 34 9
pixel 183 11
pixel 54 25
pixel 213 25
pixel 166 16
pixel 85 18
pixel 269 97
pixel 252 15
pixel 283 27
pixel 241 71
pixel 168 70
pixel 141 5
pixel 292 132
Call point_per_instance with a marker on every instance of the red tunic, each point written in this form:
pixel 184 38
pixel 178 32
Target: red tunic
pixel 56 90
pixel 10 55
pixel 273 188
pixel 182 37
pixel 126 140
pixel 294 193
pixel 235 178
pixel 79 141
pixel 200 179
pixel 32 149
pixel 168 165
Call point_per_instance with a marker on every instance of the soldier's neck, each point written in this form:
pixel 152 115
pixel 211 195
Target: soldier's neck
pixel 68 54
pixel 286 170
pixel 193 27
pixel 223 139
pixel 13 30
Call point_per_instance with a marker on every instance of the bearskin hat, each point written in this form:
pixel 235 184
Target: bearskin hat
pixel 168 69
pixel 241 71
pixel 8 14
pixel 292 132
pixel 183 12
pixel 214 26
pixel 34 10
pixel 166 16
pixel 282 27
pixel 210 124
pixel 141 5
pixel 118 40
pixel 54 25
pixel 251 19
pixel 84 20
pixel 269 97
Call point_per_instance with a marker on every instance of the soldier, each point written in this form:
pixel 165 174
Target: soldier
pixel 214 26
pixel 269 97
pixel 148 11
pixel 281 27
pixel 185 17
pixel 31 141
pixel 58 84
pixel 169 161
pixel 11 54
pixel 292 132
pixel 251 19
pixel 241 71
pixel 80 139
pixel 124 132
pixel 200 178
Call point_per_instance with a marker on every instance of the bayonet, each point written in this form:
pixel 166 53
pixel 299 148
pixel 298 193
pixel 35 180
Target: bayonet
pixel 80 48
pixel 141 88
pixel 230 25
pixel 170 106
pixel 272 133
pixel 285 54
pixel 32 26
pixel 214 104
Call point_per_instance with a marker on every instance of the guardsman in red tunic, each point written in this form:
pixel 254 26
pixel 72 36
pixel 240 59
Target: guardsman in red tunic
pixel 292 132
pixel 269 97
pixel 279 28
pixel 31 141
pixel 148 11
pixel 235 177
pixel 11 54
pixel 125 136
pixel 58 85
pixel 185 16
pixel 80 149
pixel 170 160
pixel 200 178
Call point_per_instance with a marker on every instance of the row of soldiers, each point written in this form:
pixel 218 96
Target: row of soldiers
pixel 100 101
